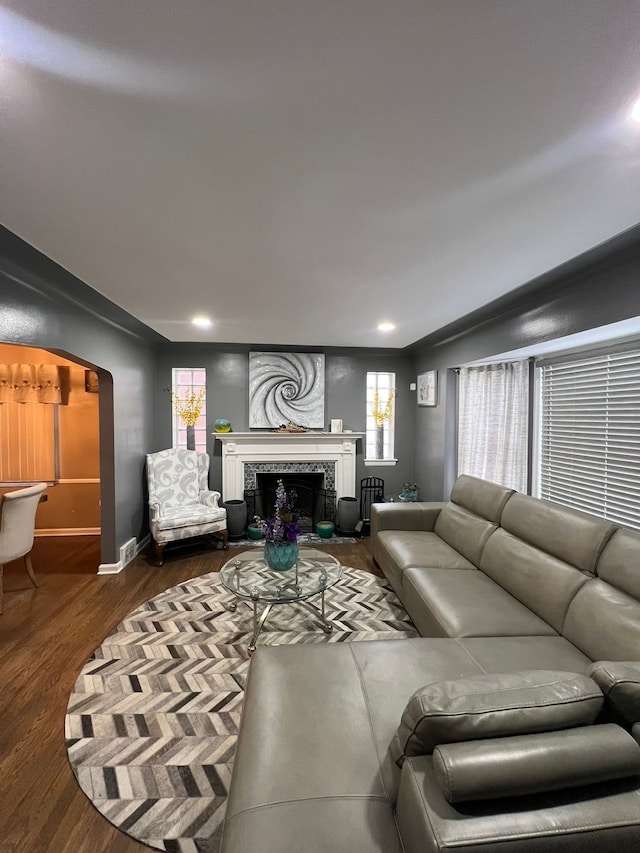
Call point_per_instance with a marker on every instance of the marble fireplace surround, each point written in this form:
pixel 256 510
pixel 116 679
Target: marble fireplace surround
pixel 244 454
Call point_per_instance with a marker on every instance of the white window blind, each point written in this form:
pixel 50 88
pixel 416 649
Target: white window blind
pixel 590 435
pixel 493 407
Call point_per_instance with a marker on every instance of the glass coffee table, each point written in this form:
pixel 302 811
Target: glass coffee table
pixel 248 578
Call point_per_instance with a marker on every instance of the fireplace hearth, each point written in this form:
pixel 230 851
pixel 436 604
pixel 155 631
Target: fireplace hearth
pixel 314 501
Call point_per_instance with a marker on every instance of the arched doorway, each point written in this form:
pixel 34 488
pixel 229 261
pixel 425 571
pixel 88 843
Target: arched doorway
pixel 55 433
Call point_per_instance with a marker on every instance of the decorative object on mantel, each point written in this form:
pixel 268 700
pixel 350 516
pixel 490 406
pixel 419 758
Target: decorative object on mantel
pixel 222 425
pixel 286 386
pixel 381 414
pixel 409 492
pixel 291 427
pixel 428 388
pixel 281 531
pixel 188 408
pixel 336 425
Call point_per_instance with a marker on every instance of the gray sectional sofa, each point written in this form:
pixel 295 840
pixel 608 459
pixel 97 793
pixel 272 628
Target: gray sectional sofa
pixel 511 724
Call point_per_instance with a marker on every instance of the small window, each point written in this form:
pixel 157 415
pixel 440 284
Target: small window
pixel 381 392
pixel 189 384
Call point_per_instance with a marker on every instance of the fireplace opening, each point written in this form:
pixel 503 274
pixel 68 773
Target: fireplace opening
pixel 314 502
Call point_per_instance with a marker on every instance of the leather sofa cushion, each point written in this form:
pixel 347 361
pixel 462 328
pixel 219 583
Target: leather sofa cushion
pixel 494 706
pixel 414 548
pixel 481 497
pixel 531 764
pixel 575 537
pixel 619 563
pixel 511 654
pixel 463 530
pixel 465 603
pixel 620 683
pixel 596 819
pixel 543 583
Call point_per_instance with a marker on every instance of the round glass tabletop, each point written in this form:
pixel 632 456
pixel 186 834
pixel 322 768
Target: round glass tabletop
pixel 247 576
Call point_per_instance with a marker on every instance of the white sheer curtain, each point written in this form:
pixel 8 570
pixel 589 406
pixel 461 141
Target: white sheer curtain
pixel 493 403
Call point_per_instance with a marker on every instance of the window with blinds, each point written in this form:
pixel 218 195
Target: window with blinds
pixel 589 450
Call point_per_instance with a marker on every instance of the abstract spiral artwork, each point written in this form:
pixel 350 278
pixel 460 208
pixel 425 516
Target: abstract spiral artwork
pixel 286 386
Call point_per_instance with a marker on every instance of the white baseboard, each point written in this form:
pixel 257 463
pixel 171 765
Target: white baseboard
pixel 116 568
pixel 68 531
pixel 110 568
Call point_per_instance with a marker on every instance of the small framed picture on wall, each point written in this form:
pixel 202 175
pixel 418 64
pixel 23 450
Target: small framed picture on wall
pixel 428 388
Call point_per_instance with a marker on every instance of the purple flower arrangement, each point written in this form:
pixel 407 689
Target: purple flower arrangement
pixel 283 527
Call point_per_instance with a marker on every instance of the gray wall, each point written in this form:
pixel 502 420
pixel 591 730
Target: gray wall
pixel 227 367
pixel 597 288
pixel 42 305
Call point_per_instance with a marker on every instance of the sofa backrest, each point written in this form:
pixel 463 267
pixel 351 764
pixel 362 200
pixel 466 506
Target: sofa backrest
pixel 603 620
pixel 543 554
pixel 569 534
pixel 472 515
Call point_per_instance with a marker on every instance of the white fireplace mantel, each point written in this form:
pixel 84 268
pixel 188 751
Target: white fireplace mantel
pixel 240 448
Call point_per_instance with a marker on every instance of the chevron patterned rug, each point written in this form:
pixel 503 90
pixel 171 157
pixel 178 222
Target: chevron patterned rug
pixel 152 720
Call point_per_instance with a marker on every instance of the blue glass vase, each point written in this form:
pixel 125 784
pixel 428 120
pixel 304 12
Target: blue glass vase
pixel 280 556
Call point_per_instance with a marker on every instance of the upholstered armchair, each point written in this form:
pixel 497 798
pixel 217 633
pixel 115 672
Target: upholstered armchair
pixel 181 505
pixel 17 526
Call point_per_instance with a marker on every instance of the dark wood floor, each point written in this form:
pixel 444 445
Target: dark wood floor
pixel 46 635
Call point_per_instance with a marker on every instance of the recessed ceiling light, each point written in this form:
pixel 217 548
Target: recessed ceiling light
pixel 635 111
pixel 202 322
pixel 386 327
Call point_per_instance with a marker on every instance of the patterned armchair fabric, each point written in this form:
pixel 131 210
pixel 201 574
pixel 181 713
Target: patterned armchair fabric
pixel 181 505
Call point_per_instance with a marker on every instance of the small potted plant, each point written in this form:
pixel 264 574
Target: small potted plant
pixel 281 531
pixel 410 491
pixel 254 530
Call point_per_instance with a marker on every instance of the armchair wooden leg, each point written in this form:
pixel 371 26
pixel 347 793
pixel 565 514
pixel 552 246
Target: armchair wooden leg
pixel 29 567
pixel 158 547
pixel 219 536
pixel 1 589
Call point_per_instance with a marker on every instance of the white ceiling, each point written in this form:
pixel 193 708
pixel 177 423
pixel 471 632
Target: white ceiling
pixel 302 169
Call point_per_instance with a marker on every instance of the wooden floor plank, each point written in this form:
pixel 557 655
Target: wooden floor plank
pixel 46 635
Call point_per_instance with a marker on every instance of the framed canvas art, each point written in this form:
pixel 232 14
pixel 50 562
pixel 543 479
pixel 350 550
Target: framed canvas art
pixel 284 387
pixel 428 388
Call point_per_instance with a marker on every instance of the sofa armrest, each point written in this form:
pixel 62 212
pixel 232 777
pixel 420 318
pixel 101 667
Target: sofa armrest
pixel 598 817
pixel 210 499
pixel 414 515
pixel 494 705
pixel 620 683
pixel 532 764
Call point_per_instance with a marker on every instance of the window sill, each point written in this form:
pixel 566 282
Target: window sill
pixel 378 462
